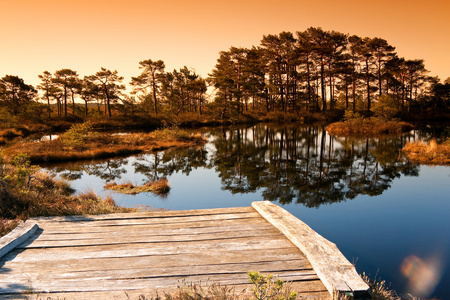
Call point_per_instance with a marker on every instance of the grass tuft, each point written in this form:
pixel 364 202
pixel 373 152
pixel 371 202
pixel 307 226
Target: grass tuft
pixel 159 187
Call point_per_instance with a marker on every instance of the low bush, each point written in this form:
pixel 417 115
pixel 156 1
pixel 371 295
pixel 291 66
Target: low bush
pixel 78 135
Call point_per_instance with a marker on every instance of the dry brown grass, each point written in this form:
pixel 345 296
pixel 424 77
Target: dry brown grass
pixel 40 194
pixel 431 153
pixel 159 187
pixel 12 132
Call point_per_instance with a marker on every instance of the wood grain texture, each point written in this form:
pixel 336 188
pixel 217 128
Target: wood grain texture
pixel 125 255
pixel 335 271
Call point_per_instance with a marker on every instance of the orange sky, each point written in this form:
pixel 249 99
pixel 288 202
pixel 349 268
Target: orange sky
pixel 85 35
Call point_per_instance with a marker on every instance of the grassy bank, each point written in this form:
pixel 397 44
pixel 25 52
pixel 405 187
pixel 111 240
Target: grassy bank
pixel 26 192
pixel 82 142
pixel 430 153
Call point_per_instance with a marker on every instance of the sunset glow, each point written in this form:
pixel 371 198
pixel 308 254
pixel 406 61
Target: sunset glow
pixel 87 35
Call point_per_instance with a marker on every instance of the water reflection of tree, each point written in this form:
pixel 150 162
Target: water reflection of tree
pixel 107 170
pixel 163 164
pixel 153 166
pixel 287 163
pixel 305 165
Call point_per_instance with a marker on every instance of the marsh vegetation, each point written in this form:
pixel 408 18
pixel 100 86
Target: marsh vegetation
pixel 81 142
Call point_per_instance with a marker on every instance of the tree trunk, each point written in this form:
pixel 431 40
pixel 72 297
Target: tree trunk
pixel 379 77
pixel 368 84
pixel 65 101
pixel 322 82
pixel 308 78
pixel 73 104
pixel 346 95
pixel 154 94
pixel 48 105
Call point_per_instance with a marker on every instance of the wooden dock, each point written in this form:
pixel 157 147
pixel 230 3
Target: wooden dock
pixel 122 256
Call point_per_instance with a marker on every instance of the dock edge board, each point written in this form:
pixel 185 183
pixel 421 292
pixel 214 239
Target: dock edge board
pixel 17 236
pixel 337 274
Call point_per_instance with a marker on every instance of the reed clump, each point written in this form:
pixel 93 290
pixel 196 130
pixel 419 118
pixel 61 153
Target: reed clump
pixel 428 153
pixel 81 142
pixel 159 187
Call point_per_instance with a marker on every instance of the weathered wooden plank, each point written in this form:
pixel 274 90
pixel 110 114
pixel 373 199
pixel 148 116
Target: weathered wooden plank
pixel 17 236
pixel 146 214
pixel 138 231
pixel 154 226
pixel 185 268
pixel 149 239
pixel 309 293
pixel 335 271
pixel 195 224
pixel 140 249
pixel 165 260
pixel 147 221
pixel 44 284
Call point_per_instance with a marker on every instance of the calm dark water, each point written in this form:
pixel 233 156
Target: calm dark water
pixel 387 215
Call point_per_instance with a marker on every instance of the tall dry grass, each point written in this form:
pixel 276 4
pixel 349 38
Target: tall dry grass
pixel 428 153
pixel 26 191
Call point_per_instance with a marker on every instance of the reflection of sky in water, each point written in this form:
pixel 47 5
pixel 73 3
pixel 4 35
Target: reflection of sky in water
pixel 379 233
pixel 402 235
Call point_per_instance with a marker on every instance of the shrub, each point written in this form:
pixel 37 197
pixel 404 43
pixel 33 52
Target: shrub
pixel 386 107
pixel 77 135
pixel 266 287
pixel 24 169
pixel 172 133
pixel 353 117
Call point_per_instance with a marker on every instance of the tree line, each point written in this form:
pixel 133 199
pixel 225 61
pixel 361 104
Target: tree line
pixel 322 70
pixel 180 90
pixel 311 70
